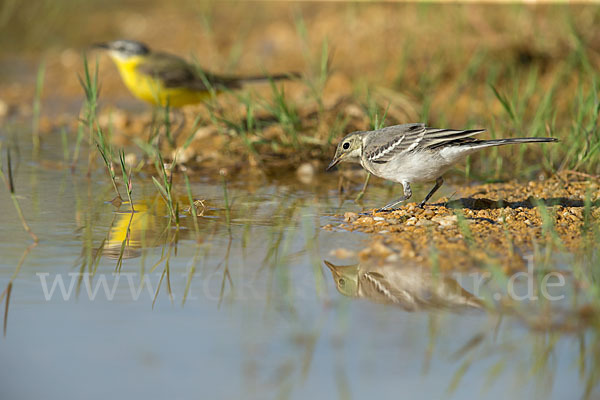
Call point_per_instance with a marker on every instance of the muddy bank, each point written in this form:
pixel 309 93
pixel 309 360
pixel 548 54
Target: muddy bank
pixel 493 224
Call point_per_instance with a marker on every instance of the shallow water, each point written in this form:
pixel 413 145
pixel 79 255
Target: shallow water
pixel 261 316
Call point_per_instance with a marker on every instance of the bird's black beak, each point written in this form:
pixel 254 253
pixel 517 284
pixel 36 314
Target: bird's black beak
pixel 103 46
pixel 333 269
pixel 333 163
pixel 329 265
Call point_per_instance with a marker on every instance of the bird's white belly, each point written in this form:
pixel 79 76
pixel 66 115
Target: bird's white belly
pixel 424 166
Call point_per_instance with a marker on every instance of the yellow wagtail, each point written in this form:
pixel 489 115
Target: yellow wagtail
pixel 160 78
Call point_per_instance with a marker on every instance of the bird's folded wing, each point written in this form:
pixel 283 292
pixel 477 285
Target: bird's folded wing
pixel 377 288
pixel 384 144
pixel 175 72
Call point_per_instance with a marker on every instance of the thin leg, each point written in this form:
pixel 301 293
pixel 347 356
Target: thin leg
pixel 360 195
pixel 392 205
pixel 438 183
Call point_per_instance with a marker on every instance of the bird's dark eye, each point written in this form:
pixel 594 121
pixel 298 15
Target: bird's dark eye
pixel 342 282
pixel 346 145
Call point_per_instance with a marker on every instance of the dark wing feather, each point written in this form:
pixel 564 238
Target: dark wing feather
pixel 375 287
pixel 175 72
pixel 382 145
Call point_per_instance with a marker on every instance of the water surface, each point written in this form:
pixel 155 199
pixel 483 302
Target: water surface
pixel 261 316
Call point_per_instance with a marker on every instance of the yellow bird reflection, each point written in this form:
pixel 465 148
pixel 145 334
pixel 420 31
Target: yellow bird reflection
pixel 143 228
pixel 136 230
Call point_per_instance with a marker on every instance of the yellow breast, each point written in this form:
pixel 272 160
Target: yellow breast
pixel 151 89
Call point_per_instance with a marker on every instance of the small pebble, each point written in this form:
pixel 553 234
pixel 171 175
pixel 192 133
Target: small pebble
pixel 130 160
pixel 305 173
pixel 3 108
pixel 425 222
pixel 342 253
pixel 350 216
pixel 428 213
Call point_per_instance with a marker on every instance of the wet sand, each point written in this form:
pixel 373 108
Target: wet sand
pixel 499 224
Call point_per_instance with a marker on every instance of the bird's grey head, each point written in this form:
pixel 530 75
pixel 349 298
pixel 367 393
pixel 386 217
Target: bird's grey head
pixel 345 277
pixel 349 149
pixel 124 49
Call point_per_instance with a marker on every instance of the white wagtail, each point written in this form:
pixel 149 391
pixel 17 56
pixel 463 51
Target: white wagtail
pixel 414 153
pixel 410 287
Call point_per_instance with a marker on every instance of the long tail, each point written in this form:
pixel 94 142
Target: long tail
pixel 478 144
pixel 266 78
